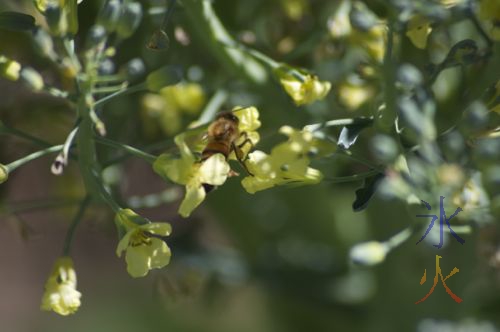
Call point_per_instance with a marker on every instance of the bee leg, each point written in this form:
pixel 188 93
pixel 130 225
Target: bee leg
pixel 239 156
pixel 245 142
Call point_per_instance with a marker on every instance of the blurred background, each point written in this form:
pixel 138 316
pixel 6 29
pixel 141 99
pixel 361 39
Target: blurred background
pixel 276 260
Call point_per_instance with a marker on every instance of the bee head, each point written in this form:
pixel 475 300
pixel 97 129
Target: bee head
pixel 228 116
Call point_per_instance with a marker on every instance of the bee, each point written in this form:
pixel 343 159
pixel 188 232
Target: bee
pixel 223 135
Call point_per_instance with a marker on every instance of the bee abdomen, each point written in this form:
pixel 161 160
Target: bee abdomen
pixel 213 148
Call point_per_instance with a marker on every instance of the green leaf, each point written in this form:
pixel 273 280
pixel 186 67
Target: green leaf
pixel 349 134
pixel 160 78
pixel 15 21
pixel 365 193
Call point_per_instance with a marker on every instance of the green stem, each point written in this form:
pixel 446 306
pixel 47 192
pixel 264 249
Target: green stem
pixel 135 88
pixel 109 78
pixel 386 121
pixel 400 238
pixel 211 30
pixel 338 122
pixel 108 89
pixel 350 155
pixel 134 151
pixel 351 178
pixel 76 220
pixel 21 134
pixel 15 164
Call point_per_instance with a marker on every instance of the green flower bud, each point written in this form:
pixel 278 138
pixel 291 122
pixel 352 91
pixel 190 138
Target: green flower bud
pixel 368 253
pixel 44 43
pixel 32 78
pixel 135 68
pixel 42 5
pixel 4 173
pixel 476 116
pixel 109 15
pixel 129 20
pixel 9 69
pixel 56 21
pixel 361 17
pixel 409 77
pixel 96 36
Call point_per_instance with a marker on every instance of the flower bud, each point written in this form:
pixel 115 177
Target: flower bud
pixel 409 77
pixel 4 173
pixel 361 17
pixel 109 15
pixel 9 69
pixel 44 42
pixel 56 20
pixel 42 5
pixel 368 253
pixel 96 36
pixel 135 68
pixel 129 20
pixel 32 78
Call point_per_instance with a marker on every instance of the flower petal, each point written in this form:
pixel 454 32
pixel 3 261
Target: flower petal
pixel 249 118
pixel 174 169
pixel 158 228
pixel 214 170
pixel 194 196
pixel 138 260
pixel 124 242
pixel 160 253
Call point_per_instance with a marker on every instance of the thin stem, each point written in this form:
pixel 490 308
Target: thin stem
pixel 76 220
pixel 108 89
pixel 15 164
pixel 400 238
pixel 135 88
pixel 338 122
pixel 350 155
pixel 109 78
pixel 134 151
pixel 21 134
pixel 352 178
pixel 168 14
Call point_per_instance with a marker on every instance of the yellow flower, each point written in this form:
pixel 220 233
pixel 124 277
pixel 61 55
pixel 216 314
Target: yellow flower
pixel 418 30
pixel 373 41
pixel 303 87
pixel 9 69
pixel 60 294
pixel 295 9
pixel 287 163
pixel 192 174
pixel 164 110
pixel 144 251
pixel 353 96
pixel 248 123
